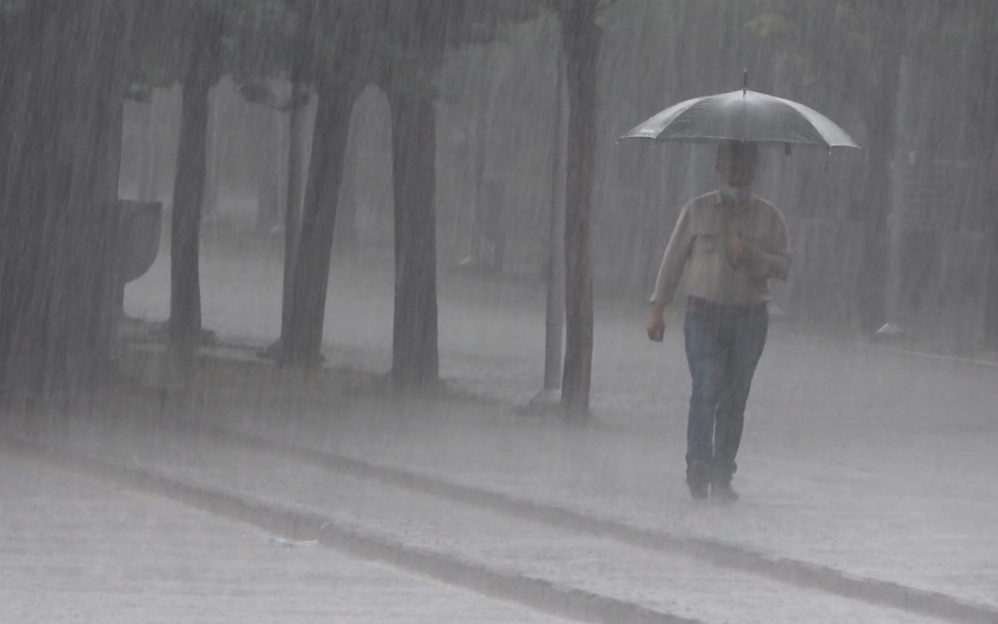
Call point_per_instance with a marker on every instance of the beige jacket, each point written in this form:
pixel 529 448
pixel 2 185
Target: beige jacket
pixel 700 243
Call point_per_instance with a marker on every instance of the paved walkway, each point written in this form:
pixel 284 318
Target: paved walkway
pixel 581 564
pixel 77 550
pixel 861 468
pixel 871 461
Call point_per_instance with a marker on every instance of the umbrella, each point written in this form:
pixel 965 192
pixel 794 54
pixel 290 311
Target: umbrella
pixel 743 115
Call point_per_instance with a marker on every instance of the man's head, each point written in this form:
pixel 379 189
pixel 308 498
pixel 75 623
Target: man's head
pixel 736 162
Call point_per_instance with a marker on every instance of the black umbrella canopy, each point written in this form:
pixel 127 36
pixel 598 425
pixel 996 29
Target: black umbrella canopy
pixel 743 115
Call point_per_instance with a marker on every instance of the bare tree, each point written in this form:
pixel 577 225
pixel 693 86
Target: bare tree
pixel 201 70
pixel 581 40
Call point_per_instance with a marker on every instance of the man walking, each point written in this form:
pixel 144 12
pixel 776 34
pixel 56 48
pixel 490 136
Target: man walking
pixel 729 243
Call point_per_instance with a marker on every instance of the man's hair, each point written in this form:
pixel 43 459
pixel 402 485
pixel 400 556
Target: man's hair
pixel 739 149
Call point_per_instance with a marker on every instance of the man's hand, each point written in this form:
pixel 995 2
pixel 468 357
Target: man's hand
pixel 739 252
pixel 656 323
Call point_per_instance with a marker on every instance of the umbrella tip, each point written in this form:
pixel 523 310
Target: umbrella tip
pixel 744 81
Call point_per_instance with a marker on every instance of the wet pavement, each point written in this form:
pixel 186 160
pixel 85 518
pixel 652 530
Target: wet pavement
pixel 75 549
pixel 866 474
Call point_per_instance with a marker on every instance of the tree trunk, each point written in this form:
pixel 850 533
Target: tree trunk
pixel 111 183
pixel 60 223
pixel 188 190
pixel 89 237
pixel 415 360
pixel 581 39
pixel 296 168
pixel 292 213
pixel 554 322
pixel 303 338
pixel 988 119
pixel 22 49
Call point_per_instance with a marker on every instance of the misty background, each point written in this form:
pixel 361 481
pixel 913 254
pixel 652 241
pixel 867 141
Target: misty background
pixel 461 137
pixel 928 147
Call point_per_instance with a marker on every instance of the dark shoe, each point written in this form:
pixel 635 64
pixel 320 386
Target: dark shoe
pixel 722 491
pixel 696 479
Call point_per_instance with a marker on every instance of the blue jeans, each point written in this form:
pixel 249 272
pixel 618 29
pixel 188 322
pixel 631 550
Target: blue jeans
pixel 723 347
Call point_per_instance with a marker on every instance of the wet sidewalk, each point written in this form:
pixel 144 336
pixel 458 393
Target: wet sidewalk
pixel 75 549
pixel 866 518
pixel 578 563
pixel 870 462
pixel 862 468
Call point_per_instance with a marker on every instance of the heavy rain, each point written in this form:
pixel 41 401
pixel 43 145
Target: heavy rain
pixel 448 311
